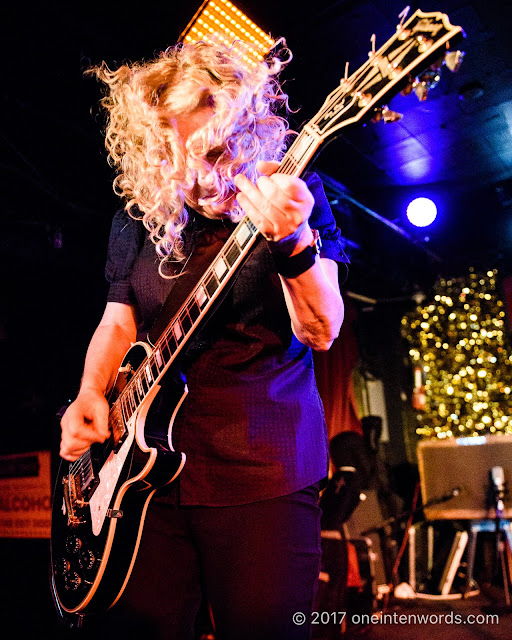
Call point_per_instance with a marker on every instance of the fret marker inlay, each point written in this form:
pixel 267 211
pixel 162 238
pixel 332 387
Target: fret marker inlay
pixel 220 268
pixel 242 235
pixel 201 297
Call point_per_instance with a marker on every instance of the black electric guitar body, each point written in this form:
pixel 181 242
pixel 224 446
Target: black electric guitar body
pixel 100 500
pixel 103 497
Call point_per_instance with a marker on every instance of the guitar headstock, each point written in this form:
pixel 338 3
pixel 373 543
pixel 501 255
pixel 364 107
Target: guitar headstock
pixel 410 60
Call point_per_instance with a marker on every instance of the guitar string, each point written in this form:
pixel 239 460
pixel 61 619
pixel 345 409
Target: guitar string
pixel 193 296
pixel 355 79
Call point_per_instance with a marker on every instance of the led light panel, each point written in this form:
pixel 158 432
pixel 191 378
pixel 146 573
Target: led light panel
pixel 220 21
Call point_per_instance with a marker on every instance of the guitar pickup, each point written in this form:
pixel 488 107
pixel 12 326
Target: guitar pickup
pixel 117 427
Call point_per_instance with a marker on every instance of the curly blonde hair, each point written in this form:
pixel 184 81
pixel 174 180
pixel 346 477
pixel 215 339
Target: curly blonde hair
pixel 153 172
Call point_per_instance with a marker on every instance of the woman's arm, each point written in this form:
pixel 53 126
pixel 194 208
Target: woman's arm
pixel 315 304
pixel 280 205
pixel 86 419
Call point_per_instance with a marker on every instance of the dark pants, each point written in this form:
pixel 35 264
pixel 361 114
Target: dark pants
pixel 256 564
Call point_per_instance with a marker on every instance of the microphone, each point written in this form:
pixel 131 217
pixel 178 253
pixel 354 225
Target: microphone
pixel 453 493
pixel 498 480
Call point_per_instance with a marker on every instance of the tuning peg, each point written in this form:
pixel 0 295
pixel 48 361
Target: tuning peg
pixel 421 90
pixel 403 34
pixel 390 116
pixel 453 60
pixel 430 77
pixel 384 114
pixel 426 81
pixel 424 43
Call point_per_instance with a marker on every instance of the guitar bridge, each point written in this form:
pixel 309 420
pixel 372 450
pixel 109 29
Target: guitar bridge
pixel 69 491
pixel 74 500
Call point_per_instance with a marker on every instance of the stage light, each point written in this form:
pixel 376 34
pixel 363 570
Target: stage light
pixel 421 212
pixel 221 22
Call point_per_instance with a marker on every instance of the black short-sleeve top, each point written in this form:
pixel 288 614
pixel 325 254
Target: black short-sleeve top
pixel 252 425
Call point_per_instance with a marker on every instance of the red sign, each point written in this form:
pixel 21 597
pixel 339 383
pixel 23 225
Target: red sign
pixel 25 495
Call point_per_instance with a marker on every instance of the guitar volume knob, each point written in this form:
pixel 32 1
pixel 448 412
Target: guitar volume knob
pixel 73 544
pixel 62 566
pixel 87 559
pixel 72 581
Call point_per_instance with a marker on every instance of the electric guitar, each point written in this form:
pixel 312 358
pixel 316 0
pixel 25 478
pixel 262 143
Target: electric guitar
pixel 100 500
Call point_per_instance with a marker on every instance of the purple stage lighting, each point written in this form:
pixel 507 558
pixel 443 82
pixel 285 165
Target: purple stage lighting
pixel 421 212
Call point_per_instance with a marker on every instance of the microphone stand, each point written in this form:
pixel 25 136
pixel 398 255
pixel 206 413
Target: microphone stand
pixel 383 529
pixel 502 549
pixel 406 514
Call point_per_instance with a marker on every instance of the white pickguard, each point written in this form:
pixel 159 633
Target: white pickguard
pixel 109 476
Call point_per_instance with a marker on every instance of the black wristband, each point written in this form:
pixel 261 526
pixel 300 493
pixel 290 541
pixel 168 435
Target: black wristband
pixel 285 246
pixel 293 266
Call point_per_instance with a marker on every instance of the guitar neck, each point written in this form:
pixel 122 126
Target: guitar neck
pixel 300 152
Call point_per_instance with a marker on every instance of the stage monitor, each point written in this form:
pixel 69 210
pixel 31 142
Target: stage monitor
pixel 462 467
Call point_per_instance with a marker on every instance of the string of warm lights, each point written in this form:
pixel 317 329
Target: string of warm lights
pixel 459 346
pixel 221 22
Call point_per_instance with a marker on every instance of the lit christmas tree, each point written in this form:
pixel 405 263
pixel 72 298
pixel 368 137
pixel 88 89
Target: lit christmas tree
pixel 462 359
